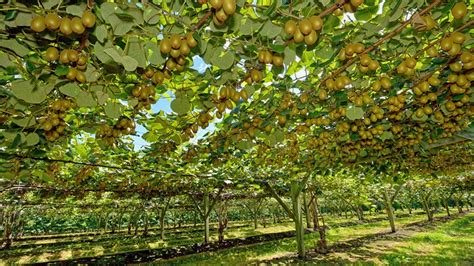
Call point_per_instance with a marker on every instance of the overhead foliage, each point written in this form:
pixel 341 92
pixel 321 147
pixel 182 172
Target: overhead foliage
pixel 290 86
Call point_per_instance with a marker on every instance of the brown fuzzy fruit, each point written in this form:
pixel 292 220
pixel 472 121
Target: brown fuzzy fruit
pixel 88 19
pixel 52 54
pixel 38 24
pixel 52 21
pixel 76 25
pixel 65 26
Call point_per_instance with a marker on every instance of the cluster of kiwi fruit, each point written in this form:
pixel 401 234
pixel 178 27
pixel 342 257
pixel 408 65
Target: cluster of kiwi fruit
pixel 222 10
pixel 394 105
pixel 371 132
pixel 67 26
pixel 304 30
pixel 452 43
pixel 267 57
pixel 429 23
pixel 177 47
pixel 351 7
pixel 53 122
pixel 335 114
pixel 203 120
pixel 360 100
pixel 407 67
pixel 368 64
pixel 145 94
pixel 382 83
pixel 123 126
pixel 352 49
pixel 253 76
pixel 338 83
pixel 228 95
pixel 156 76
pixel 69 57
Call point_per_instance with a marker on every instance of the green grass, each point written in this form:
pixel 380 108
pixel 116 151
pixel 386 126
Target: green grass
pixel 449 243
pixel 453 239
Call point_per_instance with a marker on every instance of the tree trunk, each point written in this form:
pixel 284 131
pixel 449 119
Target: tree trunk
pixel 307 212
pixel 446 207
pixel 145 230
pixel 255 220
pixel 206 218
pixel 222 216
pixel 389 209
pixel 298 218
pixel 428 212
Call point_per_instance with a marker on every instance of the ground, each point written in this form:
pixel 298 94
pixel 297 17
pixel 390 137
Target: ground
pixel 445 241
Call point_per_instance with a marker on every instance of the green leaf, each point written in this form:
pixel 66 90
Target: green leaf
pixel 386 135
pixel 5 60
pixel 85 99
pixel 11 15
pixel 180 105
pixel 61 70
pixel 70 89
pixel 136 51
pixel 154 55
pixel 24 122
pixel 113 110
pixel 223 61
pixel 15 46
pixel 102 97
pixel 101 33
pixel 270 30
pixel 129 63
pixel 48 4
pixel 75 10
pixel 151 16
pixel 28 92
pixel 32 139
pixel 354 113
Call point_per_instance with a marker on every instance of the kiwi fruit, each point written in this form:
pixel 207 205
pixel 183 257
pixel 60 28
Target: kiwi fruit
pixel 76 25
pixel 175 53
pixel 221 15
pixel 165 46
pixel 357 3
pixel 277 61
pixel 88 19
pixel 175 41
pixel 458 37
pixel 290 27
pixel 229 6
pixel 63 57
pixel 311 38
pixel 446 44
pixel 80 77
pixel 316 22
pixel 65 26
pixel 71 75
pixel 268 57
pixel 184 49
pixel 373 65
pixel 365 59
pixel 52 21
pixel 158 77
pixel 298 37
pixel 52 54
pixel 82 61
pixel 72 55
pixel 216 4
pixel 305 26
pixel 410 62
pixel 38 24
pixel 459 10
pixel 190 40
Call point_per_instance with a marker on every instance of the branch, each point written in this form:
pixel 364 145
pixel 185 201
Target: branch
pixel 202 21
pixel 282 203
pixel 214 201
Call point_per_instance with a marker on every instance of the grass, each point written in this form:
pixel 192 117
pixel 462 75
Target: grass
pixel 404 252
pixel 449 243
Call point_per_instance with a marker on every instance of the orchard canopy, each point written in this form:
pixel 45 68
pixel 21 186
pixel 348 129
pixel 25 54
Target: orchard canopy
pixel 171 97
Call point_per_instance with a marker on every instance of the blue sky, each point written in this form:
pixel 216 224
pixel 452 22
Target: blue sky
pixel 163 104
